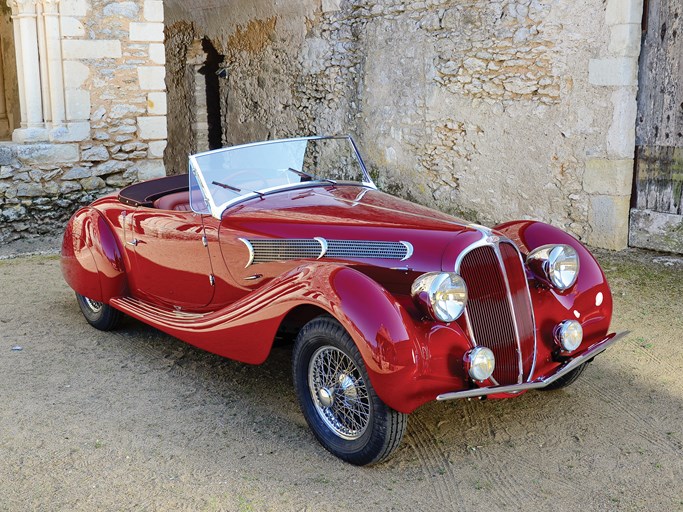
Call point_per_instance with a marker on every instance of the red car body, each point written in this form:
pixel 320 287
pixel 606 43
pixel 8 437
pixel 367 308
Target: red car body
pixel 228 285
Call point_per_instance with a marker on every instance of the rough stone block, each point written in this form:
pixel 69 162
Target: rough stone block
pixel 91 48
pixel 152 78
pixel 130 10
pixel 154 10
pixel 608 177
pixel 147 32
pixel 149 169
pixel 47 154
pixel 621 136
pixel 71 132
pixel 624 40
pixel 122 110
pixel 156 103
pixel 615 71
pixel 6 158
pixel 73 7
pixel 27 135
pixel 77 173
pixel 95 154
pixel 608 217
pixel 655 230
pixel 624 11
pixel 157 148
pixel 77 104
pixel 72 27
pixel 152 128
pixel 92 183
pixel 331 5
pixel 30 189
pixel 75 74
pixel 157 53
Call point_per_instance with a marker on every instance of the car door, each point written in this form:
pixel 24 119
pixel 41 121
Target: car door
pixel 171 263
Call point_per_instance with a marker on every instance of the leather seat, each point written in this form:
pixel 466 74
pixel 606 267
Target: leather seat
pixel 179 201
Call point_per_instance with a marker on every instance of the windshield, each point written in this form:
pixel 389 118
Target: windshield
pixel 224 176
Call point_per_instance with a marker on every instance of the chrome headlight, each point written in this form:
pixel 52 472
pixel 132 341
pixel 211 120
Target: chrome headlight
pixel 443 295
pixel 557 264
pixel 568 335
pixel 480 363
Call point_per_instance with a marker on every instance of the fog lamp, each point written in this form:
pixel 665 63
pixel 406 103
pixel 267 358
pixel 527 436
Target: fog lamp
pixel 568 335
pixel 480 363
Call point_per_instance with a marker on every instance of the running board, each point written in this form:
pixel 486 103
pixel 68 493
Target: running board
pixel 151 313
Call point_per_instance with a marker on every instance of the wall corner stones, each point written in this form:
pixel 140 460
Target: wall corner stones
pixel 608 180
pixel 113 59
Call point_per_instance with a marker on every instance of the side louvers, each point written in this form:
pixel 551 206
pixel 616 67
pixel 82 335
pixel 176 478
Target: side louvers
pixel 266 250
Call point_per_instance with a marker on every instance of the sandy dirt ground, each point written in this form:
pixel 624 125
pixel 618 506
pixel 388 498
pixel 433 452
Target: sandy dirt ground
pixel 137 420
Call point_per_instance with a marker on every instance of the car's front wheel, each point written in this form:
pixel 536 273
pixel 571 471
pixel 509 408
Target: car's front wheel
pixel 337 399
pixel 566 380
pixel 98 314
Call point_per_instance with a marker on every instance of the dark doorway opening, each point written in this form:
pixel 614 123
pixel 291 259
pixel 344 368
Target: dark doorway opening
pixel 210 71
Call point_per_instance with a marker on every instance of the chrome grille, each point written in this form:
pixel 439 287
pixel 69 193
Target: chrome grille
pixel 498 309
pixel 265 250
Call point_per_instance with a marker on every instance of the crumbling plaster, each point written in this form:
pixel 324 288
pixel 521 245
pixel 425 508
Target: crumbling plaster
pixel 493 110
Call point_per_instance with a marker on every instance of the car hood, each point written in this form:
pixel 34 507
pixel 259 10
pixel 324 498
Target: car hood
pixel 352 213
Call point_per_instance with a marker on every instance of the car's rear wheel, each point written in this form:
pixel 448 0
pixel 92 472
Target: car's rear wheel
pixel 566 380
pixel 98 314
pixel 337 399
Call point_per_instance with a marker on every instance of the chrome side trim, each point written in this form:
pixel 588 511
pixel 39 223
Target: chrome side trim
pixel 409 249
pixel 323 246
pixel 250 248
pixel 501 264
pixel 542 382
pixel 533 314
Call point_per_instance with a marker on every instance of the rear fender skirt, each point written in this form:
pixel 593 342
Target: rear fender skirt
pixel 92 264
pixel 381 328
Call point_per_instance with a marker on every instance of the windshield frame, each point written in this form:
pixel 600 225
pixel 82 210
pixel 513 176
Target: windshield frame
pixel 217 210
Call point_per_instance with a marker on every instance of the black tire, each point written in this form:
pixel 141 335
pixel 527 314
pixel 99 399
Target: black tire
pixel 566 380
pixel 347 401
pixel 101 316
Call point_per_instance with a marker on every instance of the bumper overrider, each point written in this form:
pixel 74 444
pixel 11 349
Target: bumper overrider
pixel 540 382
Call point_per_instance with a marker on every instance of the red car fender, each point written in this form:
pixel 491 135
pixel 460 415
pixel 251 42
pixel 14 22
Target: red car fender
pixel 589 301
pixel 383 330
pixel 92 264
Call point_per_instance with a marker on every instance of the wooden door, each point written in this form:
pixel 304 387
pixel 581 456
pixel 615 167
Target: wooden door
pixel 657 209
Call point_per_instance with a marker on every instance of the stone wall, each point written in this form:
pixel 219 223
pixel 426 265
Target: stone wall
pixel 114 131
pixel 491 109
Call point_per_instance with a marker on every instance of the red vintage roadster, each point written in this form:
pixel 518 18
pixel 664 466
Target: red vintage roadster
pixel 391 304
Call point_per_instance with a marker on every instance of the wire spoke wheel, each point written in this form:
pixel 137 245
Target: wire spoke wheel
pixel 337 398
pixel 98 314
pixel 339 392
pixel 94 306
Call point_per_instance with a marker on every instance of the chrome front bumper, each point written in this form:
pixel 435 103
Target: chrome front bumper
pixel 541 382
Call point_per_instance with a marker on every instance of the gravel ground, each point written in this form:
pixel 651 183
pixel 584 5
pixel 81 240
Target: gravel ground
pixel 135 419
